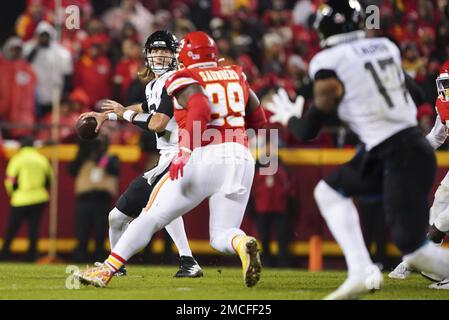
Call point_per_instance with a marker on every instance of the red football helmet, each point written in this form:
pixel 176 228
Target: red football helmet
pixel 443 82
pixel 197 47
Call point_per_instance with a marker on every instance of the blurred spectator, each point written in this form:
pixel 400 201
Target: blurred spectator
pixel 67 119
pixel 428 84
pixel 202 13
pixel 52 64
pixel 28 175
pixel 96 183
pixel 17 89
pixel 302 11
pixel 129 11
pixel 426 118
pixel 297 73
pixel 226 8
pixel 26 23
pixel 412 62
pixel 93 71
pixel 275 56
pixel 126 69
pixel 270 197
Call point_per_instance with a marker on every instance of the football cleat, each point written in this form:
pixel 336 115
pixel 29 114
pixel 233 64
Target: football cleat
pixel 401 272
pixel 97 276
pixel 359 284
pixel 120 273
pixel 188 268
pixel 432 276
pixel 442 285
pixel 249 254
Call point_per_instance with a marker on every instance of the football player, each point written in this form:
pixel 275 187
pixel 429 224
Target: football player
pixel 361 81
pixel 217 166
pixel 439 212
pixel 155 114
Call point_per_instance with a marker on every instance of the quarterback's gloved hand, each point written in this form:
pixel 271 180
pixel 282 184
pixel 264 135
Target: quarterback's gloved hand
pixel 283 109
pixel 178 163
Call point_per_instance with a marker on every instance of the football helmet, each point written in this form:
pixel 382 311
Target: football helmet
pixel 165 40
pixel 197 47
pixel 442 82
pixel 338 21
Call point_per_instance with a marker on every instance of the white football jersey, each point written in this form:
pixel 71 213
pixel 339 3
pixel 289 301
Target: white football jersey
pixel 376 104
pixel 159 101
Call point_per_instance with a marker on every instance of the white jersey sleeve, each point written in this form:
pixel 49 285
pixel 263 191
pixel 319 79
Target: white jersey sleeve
pixel 438 134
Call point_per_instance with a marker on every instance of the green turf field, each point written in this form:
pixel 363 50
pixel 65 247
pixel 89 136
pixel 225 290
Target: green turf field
pixel 29 281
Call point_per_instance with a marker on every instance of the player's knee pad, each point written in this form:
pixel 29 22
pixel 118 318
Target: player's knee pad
pixel 118 219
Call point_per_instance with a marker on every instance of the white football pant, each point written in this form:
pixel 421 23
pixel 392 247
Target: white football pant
pixel 223 173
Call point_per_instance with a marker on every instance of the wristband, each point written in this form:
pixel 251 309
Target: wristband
pixel 128 115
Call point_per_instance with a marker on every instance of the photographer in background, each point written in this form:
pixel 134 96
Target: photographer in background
pixel 96 184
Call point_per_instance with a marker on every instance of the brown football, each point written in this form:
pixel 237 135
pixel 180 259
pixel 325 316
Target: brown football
pixel 85 128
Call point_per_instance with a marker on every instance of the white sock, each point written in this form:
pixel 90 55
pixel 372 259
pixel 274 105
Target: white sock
pixel 429 258
pixel 439 207
pixel 221 239
pixel 118 222
pixel 442 220
pixel 178 234
pixel 342 219
pixel 137 236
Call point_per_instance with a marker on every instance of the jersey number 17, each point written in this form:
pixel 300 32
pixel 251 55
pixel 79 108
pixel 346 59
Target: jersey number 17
pixel 391 74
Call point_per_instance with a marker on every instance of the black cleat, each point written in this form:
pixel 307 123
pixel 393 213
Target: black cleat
pixel 188 268
pixel 121 272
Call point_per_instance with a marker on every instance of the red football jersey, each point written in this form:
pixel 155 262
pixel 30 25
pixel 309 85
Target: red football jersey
pixel 228 92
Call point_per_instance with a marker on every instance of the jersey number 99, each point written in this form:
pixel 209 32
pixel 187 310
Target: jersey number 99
pixel 228 104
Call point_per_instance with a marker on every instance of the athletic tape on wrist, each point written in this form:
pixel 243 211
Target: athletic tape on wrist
pixel 128 115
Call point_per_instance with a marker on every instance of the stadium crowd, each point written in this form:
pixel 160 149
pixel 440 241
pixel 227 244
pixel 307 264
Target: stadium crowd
pixel 273 41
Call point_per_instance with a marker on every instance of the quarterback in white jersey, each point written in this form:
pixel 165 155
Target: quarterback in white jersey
pixel 361 81
pixel 155 114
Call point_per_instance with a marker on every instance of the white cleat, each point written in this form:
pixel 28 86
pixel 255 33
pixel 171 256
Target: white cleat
pixel 357 285
pixel 401 272
pixel 442 285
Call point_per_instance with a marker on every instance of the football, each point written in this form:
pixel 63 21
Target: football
pixel 85 128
